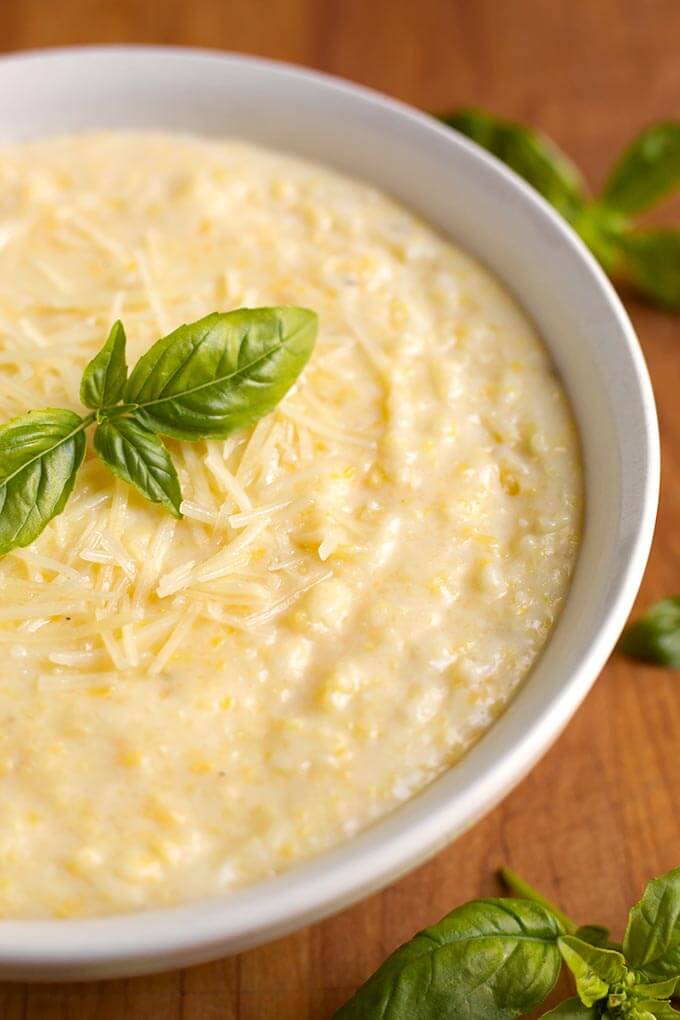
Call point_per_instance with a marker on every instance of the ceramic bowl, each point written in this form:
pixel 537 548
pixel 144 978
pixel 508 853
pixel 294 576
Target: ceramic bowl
pixel 471 198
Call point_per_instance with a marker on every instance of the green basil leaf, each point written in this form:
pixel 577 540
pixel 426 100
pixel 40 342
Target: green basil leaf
pixel 595 969
pixel 654 1010
pixel 655 637
pixel 652 940
pixel 529 154
pixel 656 989
pixel 572 1009
pixel 140 458
pixel 40 453
pixel 222 373
pixel 647 170
pixel 650 261
pixel 601 229
pixel 104 378
pixel 594 934
pixel 490 958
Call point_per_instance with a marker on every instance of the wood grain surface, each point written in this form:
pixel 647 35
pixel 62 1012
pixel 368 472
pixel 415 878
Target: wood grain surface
pixel 599 815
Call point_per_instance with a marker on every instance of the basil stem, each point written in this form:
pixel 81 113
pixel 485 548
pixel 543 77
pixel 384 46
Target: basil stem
pixel 519 887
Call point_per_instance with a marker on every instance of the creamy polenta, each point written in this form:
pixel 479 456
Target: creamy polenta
pixel 359 583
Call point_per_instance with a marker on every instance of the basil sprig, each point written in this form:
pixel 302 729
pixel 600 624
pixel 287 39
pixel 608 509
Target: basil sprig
pixel 496 959
pixel 655 637
pixel 648 170
pixel 205 380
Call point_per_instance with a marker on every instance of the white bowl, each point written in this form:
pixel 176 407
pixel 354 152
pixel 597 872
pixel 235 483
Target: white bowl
pixel 472 198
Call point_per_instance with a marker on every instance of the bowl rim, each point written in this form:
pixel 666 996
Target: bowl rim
pixel 218 924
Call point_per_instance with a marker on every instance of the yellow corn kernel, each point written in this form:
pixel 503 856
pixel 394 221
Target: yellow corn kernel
pixel 509 482
pixel 84 861
pixel 129 758
pixel 157 811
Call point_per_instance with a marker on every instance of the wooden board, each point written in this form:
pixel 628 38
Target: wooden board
pixel 597 817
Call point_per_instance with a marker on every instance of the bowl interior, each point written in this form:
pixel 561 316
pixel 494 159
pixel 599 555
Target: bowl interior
pixel 471 198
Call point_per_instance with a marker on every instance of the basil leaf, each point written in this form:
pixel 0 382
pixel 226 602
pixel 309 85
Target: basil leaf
pixel 595 969
pixel 601 229
pixel 655 637
pixel 104 378
pixel 209 378
pixel 140 458
pixel 572 1009
pixel 650 259
pixel 40 453
pixel 652 940
pixel 489 958
pixel 529 154
pixel 657 989
pixel 647 170
pixel 654 1010
pixel 594 934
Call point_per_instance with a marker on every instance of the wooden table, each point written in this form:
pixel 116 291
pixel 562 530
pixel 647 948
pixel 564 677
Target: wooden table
pixel 599 815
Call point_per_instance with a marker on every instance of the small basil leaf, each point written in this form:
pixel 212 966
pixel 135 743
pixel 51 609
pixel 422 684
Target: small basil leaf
pixel 140 458
pixel 40 453
pixel 594 934
pixel 657 989
pixel 490 958
pixel 594 969
pixel 652 940
pixel 529 154
pixel 655 637
pixel 650 260
pixel 104 378
pixel 654 1010
pixel 572 1009
pixel 222 373
pixel 647 170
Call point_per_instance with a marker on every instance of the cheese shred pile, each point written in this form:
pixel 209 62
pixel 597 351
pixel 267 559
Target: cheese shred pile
pixel 113 584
